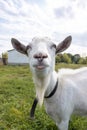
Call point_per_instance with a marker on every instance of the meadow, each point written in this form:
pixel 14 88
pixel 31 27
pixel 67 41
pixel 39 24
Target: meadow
pixel 17 93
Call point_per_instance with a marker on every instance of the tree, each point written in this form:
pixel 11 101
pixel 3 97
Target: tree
pixel 66 58
pixel 5 58
pixel 76 58
pixel 82 61
pixel 58 58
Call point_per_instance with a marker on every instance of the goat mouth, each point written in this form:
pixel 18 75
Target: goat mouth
pixel 40 67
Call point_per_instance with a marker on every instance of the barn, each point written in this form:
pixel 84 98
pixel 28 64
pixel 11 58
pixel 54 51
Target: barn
pixel 16 58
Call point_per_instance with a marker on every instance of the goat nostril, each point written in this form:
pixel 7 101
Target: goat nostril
pixel 40 56
pixel 45 56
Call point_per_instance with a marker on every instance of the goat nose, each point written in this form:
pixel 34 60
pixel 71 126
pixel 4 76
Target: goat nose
pixel 40 56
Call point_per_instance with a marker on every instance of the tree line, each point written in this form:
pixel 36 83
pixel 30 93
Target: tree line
pixel 69 58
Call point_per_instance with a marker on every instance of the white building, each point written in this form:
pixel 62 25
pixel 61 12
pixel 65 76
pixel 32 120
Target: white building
pixel 15 57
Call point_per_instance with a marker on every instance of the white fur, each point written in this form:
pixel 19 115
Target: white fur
pixel 41 78
pixel 70 96
pixel 71 93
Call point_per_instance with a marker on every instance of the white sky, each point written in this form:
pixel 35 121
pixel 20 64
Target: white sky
pixel 25 19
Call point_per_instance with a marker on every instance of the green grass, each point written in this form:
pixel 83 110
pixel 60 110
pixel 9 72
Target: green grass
pixel 16 97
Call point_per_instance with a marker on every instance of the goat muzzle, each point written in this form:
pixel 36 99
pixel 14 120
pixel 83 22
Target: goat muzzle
pixel 40 56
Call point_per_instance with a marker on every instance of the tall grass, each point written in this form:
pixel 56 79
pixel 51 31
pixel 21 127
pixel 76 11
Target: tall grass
pixel 16 97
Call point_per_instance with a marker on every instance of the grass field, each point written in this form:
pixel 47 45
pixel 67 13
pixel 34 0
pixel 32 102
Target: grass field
pixel 16 97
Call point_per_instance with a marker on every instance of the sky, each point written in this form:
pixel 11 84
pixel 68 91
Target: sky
pixel 57 19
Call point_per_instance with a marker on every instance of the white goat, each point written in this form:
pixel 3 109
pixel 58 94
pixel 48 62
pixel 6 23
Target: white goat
pixel 65 92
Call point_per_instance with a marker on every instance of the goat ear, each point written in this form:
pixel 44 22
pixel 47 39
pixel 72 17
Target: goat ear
pixel 64 44
pixel 18 46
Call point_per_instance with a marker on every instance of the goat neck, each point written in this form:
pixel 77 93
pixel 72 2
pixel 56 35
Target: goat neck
pixel 51 85
pixel 44 85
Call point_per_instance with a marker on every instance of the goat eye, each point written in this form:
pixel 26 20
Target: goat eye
pixel 53 46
